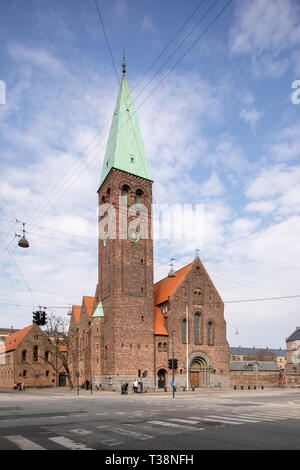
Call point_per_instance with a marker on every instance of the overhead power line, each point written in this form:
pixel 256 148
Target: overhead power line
pixel 134 305
pixel 87 163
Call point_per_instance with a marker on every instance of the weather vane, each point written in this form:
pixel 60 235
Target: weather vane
pixel 124 64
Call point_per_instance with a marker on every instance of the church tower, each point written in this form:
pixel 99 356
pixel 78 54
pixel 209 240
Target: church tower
pixel 123 319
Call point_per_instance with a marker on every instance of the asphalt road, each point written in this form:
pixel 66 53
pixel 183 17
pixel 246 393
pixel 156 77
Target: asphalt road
pixel 225 420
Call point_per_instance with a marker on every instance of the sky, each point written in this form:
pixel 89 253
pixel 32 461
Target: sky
pixel 211 82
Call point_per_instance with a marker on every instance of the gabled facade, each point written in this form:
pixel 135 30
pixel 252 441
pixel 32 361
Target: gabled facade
pixel 27 358
pixel 293 358
pixel 189 306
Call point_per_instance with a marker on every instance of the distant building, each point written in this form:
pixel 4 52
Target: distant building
pixel 256 374
pixel 5 332
pixel 259 354
pixel 293 358
pixel 27 356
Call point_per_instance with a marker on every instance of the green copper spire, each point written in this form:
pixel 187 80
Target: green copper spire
pixel 99 311
pixel 125 148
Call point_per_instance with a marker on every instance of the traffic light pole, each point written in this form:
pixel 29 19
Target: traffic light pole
pixel 173 371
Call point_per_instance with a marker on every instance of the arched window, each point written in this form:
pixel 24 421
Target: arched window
pixel 198 298
pixel 183 330
pixel 210 332
pixel 138 196
pixel 165 347
pixel 35 353
pixel 46 356
pixel 24 355
pixel 125 191
pixel 159 346
pixel 197 328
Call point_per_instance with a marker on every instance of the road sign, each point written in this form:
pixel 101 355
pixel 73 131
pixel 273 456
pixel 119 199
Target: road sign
pixel 172 383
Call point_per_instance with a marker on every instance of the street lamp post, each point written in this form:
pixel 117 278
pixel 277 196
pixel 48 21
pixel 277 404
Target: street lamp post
pixel 173 371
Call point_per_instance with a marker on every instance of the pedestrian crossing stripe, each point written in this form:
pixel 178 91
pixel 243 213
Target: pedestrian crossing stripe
pixel 23 443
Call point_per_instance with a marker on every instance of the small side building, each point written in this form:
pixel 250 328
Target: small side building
pixel 28 357
pixel 256 374
pixel 293 359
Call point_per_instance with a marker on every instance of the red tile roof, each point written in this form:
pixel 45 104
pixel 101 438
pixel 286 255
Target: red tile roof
pixel 164 287
pixel 162 290
pixel 13 341
pixel 89 303
pixel 76 310
pixel 159 323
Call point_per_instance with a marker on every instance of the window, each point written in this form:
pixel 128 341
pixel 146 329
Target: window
pixel 196 328
pixel 165 347
pixel 138 196
pixel 24 373
pixel 125 194
pixel 159 347
pixel 183 330
pixel 209 332
pixel 46 356
pixel 35 353
pixel 24 354
pixel 47 373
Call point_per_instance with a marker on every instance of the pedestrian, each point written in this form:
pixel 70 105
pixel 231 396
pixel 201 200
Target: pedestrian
pixel 135 386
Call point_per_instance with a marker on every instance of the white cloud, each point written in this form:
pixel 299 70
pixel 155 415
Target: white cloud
pixel 262 207
pixel 147 24
pixel 250 115
pixel 267 31
pixel 36 56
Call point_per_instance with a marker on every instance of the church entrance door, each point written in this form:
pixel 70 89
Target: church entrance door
pixel 199 372
pixel 194 379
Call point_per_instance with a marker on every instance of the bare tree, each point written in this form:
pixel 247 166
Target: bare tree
pixel 57 335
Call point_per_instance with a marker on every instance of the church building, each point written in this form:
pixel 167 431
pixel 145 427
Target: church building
pixel 135 323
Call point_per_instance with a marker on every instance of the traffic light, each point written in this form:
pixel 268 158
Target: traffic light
pixel 43 319
pixel 36 318
pixel 170 363
pixel 175 363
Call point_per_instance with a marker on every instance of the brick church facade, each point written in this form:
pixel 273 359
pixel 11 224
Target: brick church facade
pixel 133 320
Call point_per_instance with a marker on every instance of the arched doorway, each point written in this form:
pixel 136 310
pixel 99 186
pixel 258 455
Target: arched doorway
pixel 199 371
pixel 62 379
pixel 161 374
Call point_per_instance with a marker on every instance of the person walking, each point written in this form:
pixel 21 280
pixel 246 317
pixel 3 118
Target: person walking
pixel 135 386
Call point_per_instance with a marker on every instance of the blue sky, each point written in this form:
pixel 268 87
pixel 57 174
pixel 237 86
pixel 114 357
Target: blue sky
pixel 220 130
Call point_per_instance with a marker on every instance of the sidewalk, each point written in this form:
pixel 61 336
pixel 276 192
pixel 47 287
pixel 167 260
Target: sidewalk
pixel 65 391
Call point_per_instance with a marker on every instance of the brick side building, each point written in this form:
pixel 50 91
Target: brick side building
pixel 293 358
pixel 27 357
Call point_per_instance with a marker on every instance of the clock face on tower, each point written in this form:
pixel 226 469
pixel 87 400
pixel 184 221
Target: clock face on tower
pixel 133 235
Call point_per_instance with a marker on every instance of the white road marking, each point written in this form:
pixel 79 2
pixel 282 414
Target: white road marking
pixel 126 432
pixel 23 443
pixel 111 442
pixel 220 420
pixel 68 443
pixel 261 417
pixel 173 425
pixel 55 417
pixel 80 431
pixel 236 418
pixel 184 421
